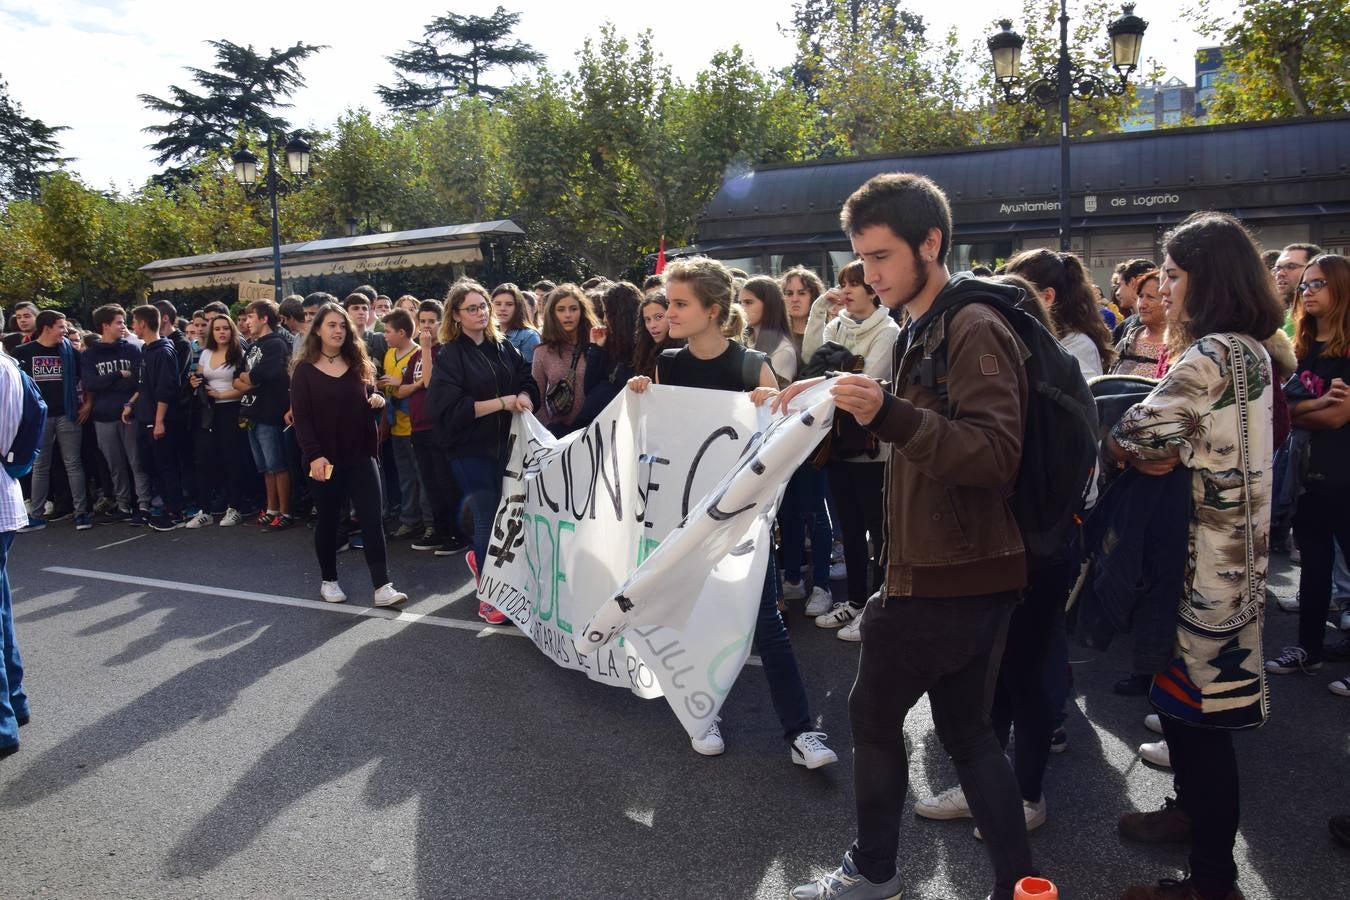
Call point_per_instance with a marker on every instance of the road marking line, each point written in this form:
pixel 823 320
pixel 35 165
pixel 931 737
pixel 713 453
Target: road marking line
pixel 371 612
pixel 117 543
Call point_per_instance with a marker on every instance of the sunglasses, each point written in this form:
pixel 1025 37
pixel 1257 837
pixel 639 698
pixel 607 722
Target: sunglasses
pixel 1312 287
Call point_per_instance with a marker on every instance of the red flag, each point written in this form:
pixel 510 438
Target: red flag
pixel 661 256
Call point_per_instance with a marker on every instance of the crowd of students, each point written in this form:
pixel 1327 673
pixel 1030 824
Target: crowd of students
pixel 1234 430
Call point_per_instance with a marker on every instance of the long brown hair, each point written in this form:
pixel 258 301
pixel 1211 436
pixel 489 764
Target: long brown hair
pixel 517 320
pixel 552 334
pixel 353 351
pixel 1227 287
pixel 450 330
pixel 1075 306
pixel 234 351
pixel 1336 271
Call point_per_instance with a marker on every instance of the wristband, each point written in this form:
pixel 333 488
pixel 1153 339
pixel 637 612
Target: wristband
pixel 503 401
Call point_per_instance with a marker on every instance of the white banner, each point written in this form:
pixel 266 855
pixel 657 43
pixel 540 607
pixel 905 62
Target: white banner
pixel 635 550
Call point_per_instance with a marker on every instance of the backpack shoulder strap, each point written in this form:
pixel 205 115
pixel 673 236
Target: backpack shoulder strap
pixel 751 364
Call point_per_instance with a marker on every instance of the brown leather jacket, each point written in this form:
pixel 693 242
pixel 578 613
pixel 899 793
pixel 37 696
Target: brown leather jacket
pixel 949 529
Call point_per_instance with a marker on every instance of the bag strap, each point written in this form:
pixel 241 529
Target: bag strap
pixel 1237 363
pixel 576 355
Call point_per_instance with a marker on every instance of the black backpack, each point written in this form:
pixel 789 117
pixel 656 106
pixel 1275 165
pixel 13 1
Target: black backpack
pixel 23 452
pixel 1059 436
pixel 752 363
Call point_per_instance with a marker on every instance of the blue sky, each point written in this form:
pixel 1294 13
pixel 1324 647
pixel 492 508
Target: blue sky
pixel 82 63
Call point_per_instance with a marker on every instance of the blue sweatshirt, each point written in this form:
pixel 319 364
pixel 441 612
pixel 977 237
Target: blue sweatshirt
pixel 109 372
pixel 158 381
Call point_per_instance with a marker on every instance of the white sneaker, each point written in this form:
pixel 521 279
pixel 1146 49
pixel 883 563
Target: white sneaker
pixel 838 571
pixel 819 602
pixel 1340 687
pixel 1034 813
pixel 332 592
pixel 839 615
pixel 794 591
pixel 950 804
pixel 388 595
pixel 711 744
pixel 1157 754
pixel 230 518
pixel 200 520
pixel 1153 723
pixel 852 632
pixel 808 749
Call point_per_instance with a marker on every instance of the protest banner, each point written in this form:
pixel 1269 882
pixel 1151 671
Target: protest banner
pixel 635 550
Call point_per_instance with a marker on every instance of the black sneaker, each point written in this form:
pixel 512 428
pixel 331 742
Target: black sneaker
pixel 117 514
pixel 139 517
pixel 429 540
pixel 278 523
pixel 451 546
pixel 166 522
pixel 1292 659
pixel 1059 741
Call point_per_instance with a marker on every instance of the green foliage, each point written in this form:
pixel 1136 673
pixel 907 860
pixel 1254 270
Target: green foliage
pixel 427 73
pixel 29 149
pixel 1284 58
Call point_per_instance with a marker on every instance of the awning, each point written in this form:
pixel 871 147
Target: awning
pixel 362 255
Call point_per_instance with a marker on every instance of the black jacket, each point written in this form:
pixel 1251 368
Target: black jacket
pixel 603 383
pixel 269 370
pixel 464 374
pixel 158 382
pixel 109 372
pixel 1137 539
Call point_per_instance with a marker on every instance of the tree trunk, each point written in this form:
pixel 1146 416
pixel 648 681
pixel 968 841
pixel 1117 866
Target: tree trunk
pixel 1290 69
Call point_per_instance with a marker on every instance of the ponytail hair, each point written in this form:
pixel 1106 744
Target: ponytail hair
pixel 1074 307
pixel 735 324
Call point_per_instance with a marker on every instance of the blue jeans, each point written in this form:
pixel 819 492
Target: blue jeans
pixel 13 701
pixel 414 505
pixel 480 483
pixel 269 448
pixel 71 436
pixel 803 501
pixel 780 663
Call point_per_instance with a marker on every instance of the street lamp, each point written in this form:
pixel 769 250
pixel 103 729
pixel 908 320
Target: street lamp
pixel 373 226
pixel 246 173
pixel 1065 81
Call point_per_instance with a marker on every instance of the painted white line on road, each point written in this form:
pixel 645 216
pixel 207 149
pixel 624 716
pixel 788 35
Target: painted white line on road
pixel 119 543
pixel 371 612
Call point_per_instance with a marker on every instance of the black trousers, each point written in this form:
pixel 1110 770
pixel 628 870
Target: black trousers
pixel 220 464
pixel 164 460
pixel 950 649
pixel 1322 517
pixel 360 484
pixel 1207 789
pixel 433 464
pixel 857 489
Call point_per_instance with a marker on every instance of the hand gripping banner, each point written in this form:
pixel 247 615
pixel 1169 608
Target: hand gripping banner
pixel 635 549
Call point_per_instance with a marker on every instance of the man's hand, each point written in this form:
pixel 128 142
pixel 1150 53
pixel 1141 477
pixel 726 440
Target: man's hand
pixel 85 409
pixel 158 431
pixel 126 415
pixel 289 418
pixel 859 395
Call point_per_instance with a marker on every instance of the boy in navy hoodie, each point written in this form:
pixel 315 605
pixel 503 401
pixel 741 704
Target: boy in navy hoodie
pixel 110 369
pixel 150 407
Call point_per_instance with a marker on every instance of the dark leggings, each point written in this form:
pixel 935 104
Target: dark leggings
pixel 1207 789
pixel 218 459
pixel 857 489
pixel 359 483
pixel 949 648
pixel 1323 517
pixel 443 491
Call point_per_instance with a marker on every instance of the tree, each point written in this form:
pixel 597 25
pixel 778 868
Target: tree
pixel 240 94
pixel 866 21
pixel 1283 58
pixel 28 269
pixel 29 149
pixel 429 73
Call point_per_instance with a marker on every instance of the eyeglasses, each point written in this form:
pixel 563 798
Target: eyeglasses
pixel 476 308
pixel 1288 267
pixel 1312 287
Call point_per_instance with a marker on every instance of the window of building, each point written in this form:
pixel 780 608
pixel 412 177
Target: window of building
pixel 1172 117
pixel 1171 100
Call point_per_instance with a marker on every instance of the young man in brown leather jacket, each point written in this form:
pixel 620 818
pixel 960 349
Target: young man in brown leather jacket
pixel 955 562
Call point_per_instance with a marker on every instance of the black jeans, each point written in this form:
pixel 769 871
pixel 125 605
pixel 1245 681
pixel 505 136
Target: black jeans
pixel 1323 516
pixel 359 483
pixel 433 464
pixel 219 461
pixel 949 648
pixel 1207 789
pixel 1026 698
pixel 857 489
pixel 162 458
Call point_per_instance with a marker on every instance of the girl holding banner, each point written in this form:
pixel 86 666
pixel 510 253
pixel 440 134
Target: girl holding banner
pixel 699 291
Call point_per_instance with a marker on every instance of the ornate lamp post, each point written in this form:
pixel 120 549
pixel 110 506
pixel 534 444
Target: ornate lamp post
pixel 1065 81
pixel 246 173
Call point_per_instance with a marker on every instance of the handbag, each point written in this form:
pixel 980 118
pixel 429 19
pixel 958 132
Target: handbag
pixel 563 394
pixel 846 437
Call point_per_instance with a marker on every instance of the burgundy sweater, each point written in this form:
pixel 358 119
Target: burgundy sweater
pixel 333 418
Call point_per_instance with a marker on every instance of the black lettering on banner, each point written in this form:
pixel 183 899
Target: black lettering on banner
pixel 648 485
pixel 724 431
pixel 625 605
pixel 614 489
pixel 509 531
pixel 510 452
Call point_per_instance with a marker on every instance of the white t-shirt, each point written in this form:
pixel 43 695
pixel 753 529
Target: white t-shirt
pixel 1083 350
pixel 12 513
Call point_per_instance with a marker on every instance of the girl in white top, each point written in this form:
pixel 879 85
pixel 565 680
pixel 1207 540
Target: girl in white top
pixel 218 441
pixel 1067 292
pixel 766 315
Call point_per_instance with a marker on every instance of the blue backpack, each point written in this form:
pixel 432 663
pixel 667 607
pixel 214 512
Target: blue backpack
pixel 21 455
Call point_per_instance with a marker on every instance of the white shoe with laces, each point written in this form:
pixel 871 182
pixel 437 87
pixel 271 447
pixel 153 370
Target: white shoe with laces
pixel 1033 813
pixel 808 749
pixel 1340 687
pixel 388 595
pixel 230 518
pixel 200 520
pixel 839 615
pixel 1157 754
pixel 950 804
pixel 852 632
pixel 1153 723
pixel 711 744
pixel 819 601
pixel 332 592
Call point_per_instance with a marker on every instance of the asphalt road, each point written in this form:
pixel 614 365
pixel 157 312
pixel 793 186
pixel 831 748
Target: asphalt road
pixel 190 739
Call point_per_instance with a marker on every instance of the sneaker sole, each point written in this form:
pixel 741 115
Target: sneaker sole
pixel 937 814
pixel 1339 688
pixel 819 764
pixel 832 624
pixel 1293 670
pixel 423 546
pixel 394 602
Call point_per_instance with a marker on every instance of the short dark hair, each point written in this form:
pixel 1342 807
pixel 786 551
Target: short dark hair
pixel 199 313
pixel 147 315
pixel 1227 288
pixel 399 320
pixel 319 298
pixel 368 290
pixel 217 307
pixel 166 311
pixel 910 205
pixel 292 308
pixel 981 271
pixel 431 306
pixel 356 298
pixel 544 285
pixel 1269 258
pixel 23 304
pixel 46 319
pixel 106 313
pixel 1310 249
pixel 652 281
pixel 852 273
pixel 1132 269
pixel 265 309
pixel 593 282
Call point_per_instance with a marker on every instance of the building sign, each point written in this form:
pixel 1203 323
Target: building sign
pixel 1096 203
pixel 252 290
